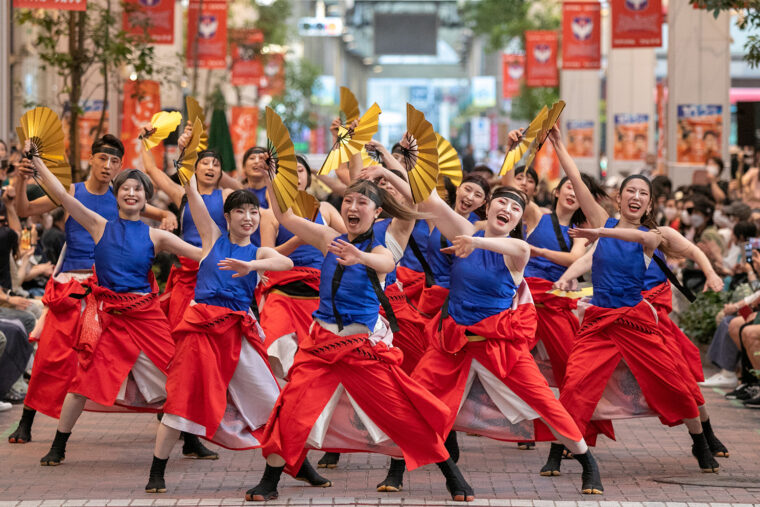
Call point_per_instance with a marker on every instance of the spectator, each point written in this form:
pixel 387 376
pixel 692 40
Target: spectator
pixel 468 160
pixel 52 240
pixel 718 187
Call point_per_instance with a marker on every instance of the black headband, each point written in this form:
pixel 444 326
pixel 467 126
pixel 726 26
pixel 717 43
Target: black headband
pixel 209 153
pixel 108 150
pixel 372 193
pixel 509 195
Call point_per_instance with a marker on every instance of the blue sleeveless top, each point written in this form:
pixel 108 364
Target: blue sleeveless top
pixel 305 255
pixel 380 228
pixel 543 236
pixel 440 263
pixel 355 299
pixel 215 205
pixel 80 247
pixel 420 233
pixel 217 287
pixel 261 195
pixel 124 256
pixel 654 275
pixel 617 271
pixel 481 286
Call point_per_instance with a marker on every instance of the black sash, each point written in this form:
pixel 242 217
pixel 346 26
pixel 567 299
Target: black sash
pixel 672 278
pixel 429 280
pixel 561 238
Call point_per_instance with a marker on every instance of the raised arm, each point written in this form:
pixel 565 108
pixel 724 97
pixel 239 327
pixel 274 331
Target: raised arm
pixel 332 217
pixel 160 179
pixel 41 205
pixel 516 252
pixel 595 214
pixel 513 137
pixel 682 247
pixel 207 228
pixel 448 221
pixel 227 181
pixel 317 235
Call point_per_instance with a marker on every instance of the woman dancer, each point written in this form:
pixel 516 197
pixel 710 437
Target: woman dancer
pixel 484 329
pixel 348 351
pixel 125 334
pixel 620 324
pixel 290 297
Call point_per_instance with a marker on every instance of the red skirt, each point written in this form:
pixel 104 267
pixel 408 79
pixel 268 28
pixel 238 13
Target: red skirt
pixel 179 290
pixel 55 362
pixel 608 335
pixel 432 299
pixel 413 282
pixel 372 377
pixel 130 324
pixel 412 337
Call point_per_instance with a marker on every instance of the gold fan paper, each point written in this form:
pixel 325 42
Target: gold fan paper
pixel 422 154
pixel 546 126
pixel 163 123
pixel 306 206
pixel 573 294
pixel 349 106
pixel 44 129
pixel 281 160
pixel 194 110
pixel 189 155
pixel 449 166
pixel 351 141
pixel 370 158
pixel 514 155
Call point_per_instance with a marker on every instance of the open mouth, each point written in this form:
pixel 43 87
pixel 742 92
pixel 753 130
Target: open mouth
pixel 353 220
pixel 210 176
pixel 130 201
pixel 502 218
pixel 466 203
pixel 633 207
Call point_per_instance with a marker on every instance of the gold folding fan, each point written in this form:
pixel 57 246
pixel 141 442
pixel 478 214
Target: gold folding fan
pixel 420 154
pixel 163 123
pixel 370 158
pixel 349 106
pixel 351 140
pixel 281 160
pixel 305 205
pixel 189 155
pixel 44 129
pixel 551 118
pixel 194 110
pixel 449 166
pixel 514 155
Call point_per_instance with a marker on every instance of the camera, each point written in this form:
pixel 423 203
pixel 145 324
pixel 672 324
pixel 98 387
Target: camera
pixel 752 244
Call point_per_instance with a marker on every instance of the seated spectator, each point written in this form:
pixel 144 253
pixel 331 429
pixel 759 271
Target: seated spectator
pixel 52 239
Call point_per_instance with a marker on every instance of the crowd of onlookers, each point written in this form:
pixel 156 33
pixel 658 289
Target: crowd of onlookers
pixel 720 213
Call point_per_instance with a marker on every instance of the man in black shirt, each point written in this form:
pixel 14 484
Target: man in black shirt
pixel 52 240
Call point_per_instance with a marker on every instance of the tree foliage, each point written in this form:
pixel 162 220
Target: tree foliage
pixel 748 19
pixel 500 21
pixel 272 21
pixel 293 105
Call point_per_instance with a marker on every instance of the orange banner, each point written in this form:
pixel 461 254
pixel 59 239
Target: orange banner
pixel 541 58
pixel 243 125
pixel 512 72
pixel 581 35
pixel 580 138
pixel 152 18
pixel 700 132
pixel 636 23
pixel 142 99
pixel 207 34
pixel 245 49
pixel 59 5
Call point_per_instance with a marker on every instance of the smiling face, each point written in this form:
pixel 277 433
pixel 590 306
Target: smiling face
pixel 255 167
pixel 104 167
pixel 243 221
pixel 469 197
pixel 634 200
pixel 503 215
pixel 566 200
pixel 131 197
pixel 526 184
pixel 359 213
pixel 208 171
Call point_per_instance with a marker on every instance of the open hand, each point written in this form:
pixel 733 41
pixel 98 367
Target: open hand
pixel 346 252
pixel 169 222
pixel 590 235
pixel 514 137
pixel 566 285
pixel 241 268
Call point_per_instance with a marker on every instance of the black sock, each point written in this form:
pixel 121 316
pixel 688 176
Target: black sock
pixel 591 479
pixel 59 442
pixel 310 475
pixel 158 467
pixel 266 489
pixel 455 482
pixel 27 417
pixel 395 477
pixel 452 446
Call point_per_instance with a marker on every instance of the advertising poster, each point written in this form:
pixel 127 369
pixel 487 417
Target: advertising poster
pixel 699 132
pixel 546 164
pixel 512 74
pixel 142 99
pixel 59 5
pixel 631 136
pixel 636 23
pixel 273 81
pixel 207 34
pixel 541 58
pixel 151 18
pixel 581 35
pixel 245 49
pixel 580 138
pixel 244 121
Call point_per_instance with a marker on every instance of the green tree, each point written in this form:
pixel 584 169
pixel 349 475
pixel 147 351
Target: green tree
pixel 293 105
pixel 273 21
pixel 748 19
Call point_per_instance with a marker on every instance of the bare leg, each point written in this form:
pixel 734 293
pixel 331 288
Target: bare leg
pixel 72 408
pixel 166 437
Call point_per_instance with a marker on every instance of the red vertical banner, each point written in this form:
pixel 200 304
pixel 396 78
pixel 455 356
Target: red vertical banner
pixel 512 73
pixel 142 99
pixel 273 82
pixel 243 124
pixel 636 23
pixel 207 34
pixel 541 58
pixel 151 18
pixel 245 49
pixel 581 35
pixel 53 5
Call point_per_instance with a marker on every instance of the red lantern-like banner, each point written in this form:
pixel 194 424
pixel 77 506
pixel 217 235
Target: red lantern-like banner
pixel 142 99
pixel 541 58
pixel 273 82
pixel 581 40
pixel 636 23
pixel 60 5
pixel 243 124
pixel 245 48
pixel 153 19
pixel 209 36
pixel 512 73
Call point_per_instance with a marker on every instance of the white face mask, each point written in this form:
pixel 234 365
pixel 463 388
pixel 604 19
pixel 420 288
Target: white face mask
pixel 722 220
pixel 670 213
pixel 697 221
pixel 685 218
pixel 712 170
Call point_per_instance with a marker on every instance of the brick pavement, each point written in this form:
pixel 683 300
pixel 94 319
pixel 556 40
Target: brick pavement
pixel 109 455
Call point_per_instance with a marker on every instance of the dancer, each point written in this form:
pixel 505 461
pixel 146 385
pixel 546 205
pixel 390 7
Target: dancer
pixel 125 338
pixel 484 328
pixel 256 174
pixel 348 357
pixel 619 323
pixel 55 361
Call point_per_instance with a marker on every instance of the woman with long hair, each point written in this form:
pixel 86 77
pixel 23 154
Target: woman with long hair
pixel 348 367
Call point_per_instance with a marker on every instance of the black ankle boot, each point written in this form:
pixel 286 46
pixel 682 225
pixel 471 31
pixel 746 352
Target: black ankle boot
pixel 452 445
pixel 459 489
pixel 57 451
pixel 194 448
pixel 554 461
pixel 23 432
pixel 156 483
pixel 716 446
pixel 394 481
pixel 307 474
pixel 701 450
pixel 592 481
pixel 266 489
pixel 329 460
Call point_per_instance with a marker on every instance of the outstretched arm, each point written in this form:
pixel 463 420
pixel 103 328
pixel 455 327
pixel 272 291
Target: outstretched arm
pixel 557 257
pixel 207 228
pixel 380 258
pixel 576 269
pixel 516 252
pixel 267 259
pixel 449 222
pixel 682 247
pixel 649 239
pixel 167 242
pixel 41 205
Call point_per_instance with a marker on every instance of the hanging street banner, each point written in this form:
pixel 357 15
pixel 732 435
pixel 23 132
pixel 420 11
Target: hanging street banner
pixel 581 35
pixel 243 124
pixel 273 81
pixel 245 48
pixel 541 58
pixel 56 5
pixel 142 99
pixel 512 74
pixel 207 33
pixel 153 19
pixel 636 23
